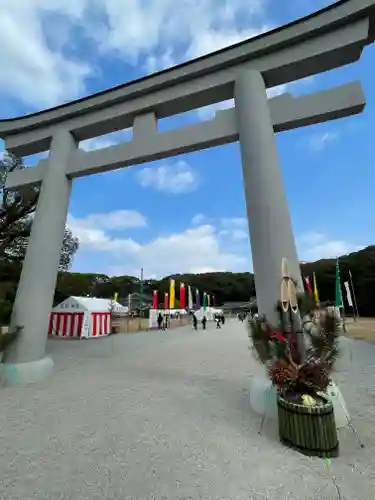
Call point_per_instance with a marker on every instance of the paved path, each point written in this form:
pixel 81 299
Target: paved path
pixel 166 416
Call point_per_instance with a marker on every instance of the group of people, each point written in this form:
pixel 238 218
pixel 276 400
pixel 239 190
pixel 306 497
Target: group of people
pixel 219 318
pixel 242 316
pixel 163 321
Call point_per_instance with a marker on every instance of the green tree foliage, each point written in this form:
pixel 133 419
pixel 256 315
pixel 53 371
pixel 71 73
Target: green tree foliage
pixel 362 266
pixel 16 214
pixel 233 287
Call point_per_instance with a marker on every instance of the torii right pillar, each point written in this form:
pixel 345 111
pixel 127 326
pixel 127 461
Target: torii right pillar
pixel 270 227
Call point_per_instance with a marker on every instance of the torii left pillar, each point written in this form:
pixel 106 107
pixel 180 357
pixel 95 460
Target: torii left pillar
pixel 26 361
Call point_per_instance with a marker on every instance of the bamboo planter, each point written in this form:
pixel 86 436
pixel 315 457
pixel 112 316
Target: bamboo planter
pixel 308 429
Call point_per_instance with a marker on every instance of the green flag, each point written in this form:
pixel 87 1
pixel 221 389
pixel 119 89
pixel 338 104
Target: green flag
pixel 339 301
pixel 204 301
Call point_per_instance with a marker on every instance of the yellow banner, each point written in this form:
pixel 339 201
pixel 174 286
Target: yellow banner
pixel 316 295
pixel 172 294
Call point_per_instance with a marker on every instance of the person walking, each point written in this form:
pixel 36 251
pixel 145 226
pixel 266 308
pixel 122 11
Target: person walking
pixel 204 322
pixel 195 322
pixel 165 322
pixel 160 321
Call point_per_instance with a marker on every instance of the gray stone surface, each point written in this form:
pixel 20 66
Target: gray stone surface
pixel 270 227
pixel 25 373
pixel 35 291
pixel 166 416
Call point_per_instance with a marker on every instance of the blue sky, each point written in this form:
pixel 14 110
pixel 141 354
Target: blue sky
pixel 186 214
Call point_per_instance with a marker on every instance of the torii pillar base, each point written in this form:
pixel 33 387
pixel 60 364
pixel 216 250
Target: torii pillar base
pixel 263 396
pixel 32 372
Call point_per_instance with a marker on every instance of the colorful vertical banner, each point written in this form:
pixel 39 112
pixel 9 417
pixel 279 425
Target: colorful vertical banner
pixel 339 301
pixel 197 299
pixel 348 294
pixel 172 294
pixel 208 300
pixel 204 301
pixel 190 298
pixel 155 300
pixel 166 301
pixel 115 297
pixel 308 286
pixel 130 302
pixel 182 296
pixel 316 294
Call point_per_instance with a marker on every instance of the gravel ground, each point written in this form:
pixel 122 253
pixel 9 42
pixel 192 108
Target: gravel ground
pixel 166 415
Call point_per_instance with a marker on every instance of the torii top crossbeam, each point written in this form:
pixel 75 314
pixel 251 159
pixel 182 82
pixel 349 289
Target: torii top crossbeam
pixel 327 39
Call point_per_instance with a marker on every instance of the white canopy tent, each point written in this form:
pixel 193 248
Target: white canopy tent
pixel 209 313
pixel 154 313
pixel 84 317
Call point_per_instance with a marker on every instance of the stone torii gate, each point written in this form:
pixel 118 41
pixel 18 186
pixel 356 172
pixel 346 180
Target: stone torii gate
pixel 325 40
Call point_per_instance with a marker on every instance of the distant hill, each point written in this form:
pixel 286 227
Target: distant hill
pixel 229 287
pixel 225 286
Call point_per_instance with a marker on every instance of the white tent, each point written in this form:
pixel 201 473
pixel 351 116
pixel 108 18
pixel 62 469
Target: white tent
pixel 154 313
pixel 209 313
pixel 83 317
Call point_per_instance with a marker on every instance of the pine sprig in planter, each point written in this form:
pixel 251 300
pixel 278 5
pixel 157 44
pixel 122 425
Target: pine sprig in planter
pixel 299 365
pixel 275 348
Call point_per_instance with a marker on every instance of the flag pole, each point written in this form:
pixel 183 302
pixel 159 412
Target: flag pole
pixel 349 298
pixel 339 299
pixel 354 297
pixel 140 300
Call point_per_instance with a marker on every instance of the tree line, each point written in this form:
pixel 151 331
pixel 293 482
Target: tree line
pixel 225 286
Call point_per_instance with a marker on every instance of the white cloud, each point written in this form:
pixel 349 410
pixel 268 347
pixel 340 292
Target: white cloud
pixel 235 228
pixel 314 246
pixel 198 219
pixel 197 249
pixel 166 32
pixel 206 247
pixel 175 178
pixel 156 63
pixel 234 222
pixel 212 39
pixel 318 142
pixel 42 40
pixel 31 70
pixel 106 140
pixel 41 61
pixel 117 220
